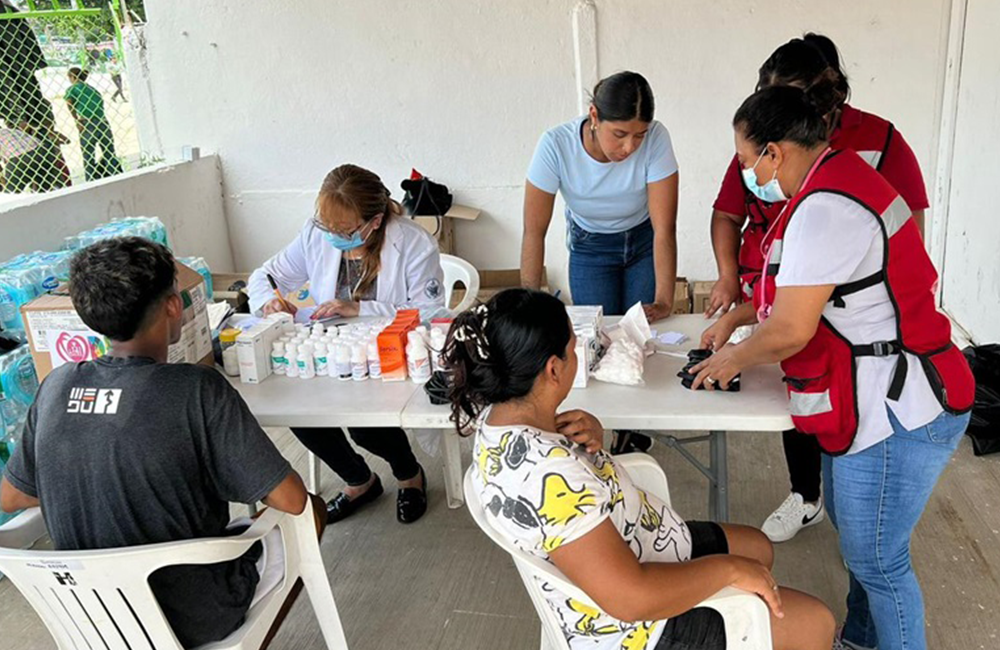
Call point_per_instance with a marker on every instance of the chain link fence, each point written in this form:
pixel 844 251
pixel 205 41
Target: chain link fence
pixel 65 107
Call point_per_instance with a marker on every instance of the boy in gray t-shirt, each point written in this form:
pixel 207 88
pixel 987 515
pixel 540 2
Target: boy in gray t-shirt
pixel 129 450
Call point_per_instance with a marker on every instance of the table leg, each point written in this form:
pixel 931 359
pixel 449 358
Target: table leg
pixel 452 463
pixel 718 500
pixel 313 473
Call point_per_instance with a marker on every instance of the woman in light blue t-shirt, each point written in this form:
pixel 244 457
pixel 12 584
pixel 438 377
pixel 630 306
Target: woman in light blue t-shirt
pixel 618 176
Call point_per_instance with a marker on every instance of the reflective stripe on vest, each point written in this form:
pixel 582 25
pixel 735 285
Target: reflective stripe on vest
pixel 806 404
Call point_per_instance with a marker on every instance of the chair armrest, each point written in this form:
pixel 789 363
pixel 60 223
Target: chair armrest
pixel 23 530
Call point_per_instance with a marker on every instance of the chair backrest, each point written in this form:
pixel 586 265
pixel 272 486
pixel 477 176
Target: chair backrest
pixel 101 599
pixel 644 471
pixel 458 270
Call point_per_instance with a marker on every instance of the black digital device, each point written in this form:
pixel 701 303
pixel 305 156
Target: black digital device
pixel 694 358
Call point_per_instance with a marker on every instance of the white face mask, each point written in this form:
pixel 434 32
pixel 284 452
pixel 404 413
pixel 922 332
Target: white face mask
pixel 771 191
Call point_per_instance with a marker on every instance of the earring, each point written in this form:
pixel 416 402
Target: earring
pixel 593 128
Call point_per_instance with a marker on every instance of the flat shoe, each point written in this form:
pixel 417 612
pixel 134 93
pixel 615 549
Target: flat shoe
pixel 411 503
pixel 342 506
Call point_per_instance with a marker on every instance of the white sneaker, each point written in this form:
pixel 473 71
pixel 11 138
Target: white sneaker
pixel 792 516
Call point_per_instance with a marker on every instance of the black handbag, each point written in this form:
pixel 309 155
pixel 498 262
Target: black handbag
pixel 424 197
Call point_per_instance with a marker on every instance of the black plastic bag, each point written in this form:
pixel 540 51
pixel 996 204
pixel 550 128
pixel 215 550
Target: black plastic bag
pixel 984 427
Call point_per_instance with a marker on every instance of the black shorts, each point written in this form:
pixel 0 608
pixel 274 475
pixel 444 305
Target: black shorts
pixel 700 628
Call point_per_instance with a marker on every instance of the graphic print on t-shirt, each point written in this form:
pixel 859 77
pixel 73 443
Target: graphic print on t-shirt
pixel 541 491
pixel 94 401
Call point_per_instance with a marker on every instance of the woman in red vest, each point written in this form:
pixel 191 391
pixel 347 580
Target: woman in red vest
pixel 800 62
pixel 846 303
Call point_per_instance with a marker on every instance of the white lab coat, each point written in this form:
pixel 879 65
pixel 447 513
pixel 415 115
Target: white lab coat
pixel 410 276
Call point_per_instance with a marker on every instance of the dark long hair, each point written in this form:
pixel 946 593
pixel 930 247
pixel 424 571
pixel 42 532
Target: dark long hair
pixel 779 113
pixel 804 62
pixel 496 351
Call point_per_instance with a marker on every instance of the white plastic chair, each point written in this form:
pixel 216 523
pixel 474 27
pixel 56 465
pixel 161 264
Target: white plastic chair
pixel 458 270
pixel 23 530
pixel 748 624
pixel 101 599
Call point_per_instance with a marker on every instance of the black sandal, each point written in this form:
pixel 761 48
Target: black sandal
pixel 342 506
pixel 411 503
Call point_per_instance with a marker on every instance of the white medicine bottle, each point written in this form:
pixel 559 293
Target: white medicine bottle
pixel 437 349
pixel 321 360
pixel 307 365
pixel 292 359
pixel 342 360
pixel 359 362
pixel 418 359
pixel 278 362
pixel 374 363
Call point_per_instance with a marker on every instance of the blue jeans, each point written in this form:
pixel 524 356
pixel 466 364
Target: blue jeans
pixel 614 271
pixel 875 499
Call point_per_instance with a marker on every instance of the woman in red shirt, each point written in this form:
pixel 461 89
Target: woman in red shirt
pixel 740 220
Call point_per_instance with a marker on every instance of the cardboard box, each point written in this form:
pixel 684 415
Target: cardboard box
pixel 682 297
pixel 52 317
pixel 443 228
pixel 253 347
pixel 702 294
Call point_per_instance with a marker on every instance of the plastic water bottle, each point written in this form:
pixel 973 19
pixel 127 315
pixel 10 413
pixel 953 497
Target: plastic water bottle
pixel 18 385
pixel 201 266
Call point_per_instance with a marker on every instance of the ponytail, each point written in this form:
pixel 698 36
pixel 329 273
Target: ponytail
pixel 786 113
pixel 804 63
pixel 497 350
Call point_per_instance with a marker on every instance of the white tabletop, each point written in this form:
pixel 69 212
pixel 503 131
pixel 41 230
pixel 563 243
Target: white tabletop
pixel 326 402
pixel 662 404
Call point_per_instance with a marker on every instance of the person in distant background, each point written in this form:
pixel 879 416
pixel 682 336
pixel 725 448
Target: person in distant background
pixel 87 107
pixel 115 70
pixel 16 154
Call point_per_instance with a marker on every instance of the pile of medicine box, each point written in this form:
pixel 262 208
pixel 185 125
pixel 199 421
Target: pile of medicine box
pixel 253 347
pixel 392 344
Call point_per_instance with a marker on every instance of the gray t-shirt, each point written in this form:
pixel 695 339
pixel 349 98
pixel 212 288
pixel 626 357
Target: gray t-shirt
pixel 124 452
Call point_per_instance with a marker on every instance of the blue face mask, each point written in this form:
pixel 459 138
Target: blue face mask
pixel 769 192
pixel 345 244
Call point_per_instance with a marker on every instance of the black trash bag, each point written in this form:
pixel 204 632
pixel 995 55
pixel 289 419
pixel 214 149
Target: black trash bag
pixel 984 427
pixel 424 197
pixel 687 377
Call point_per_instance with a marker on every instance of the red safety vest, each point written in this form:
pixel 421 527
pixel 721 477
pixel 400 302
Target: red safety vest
pixel 821 379
pixel 866 134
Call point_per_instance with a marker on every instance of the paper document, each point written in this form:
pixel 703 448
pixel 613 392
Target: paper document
pixel 304 315
pixel 217 313
pixel 672 338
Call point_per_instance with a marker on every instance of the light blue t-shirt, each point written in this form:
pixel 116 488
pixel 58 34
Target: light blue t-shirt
pixel 601 197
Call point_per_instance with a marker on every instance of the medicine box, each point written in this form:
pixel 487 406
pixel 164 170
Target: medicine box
pixel 585 357
pixel 253 348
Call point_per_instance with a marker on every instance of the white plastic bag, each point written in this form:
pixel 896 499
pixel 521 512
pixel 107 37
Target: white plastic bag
pixel 624 361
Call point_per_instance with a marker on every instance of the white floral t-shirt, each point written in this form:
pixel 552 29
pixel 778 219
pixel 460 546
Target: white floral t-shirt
pixel 542 491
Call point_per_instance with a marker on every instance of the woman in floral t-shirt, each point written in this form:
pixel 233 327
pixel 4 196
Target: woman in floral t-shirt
pixel 549 488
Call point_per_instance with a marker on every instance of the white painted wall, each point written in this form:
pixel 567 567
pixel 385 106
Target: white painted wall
pixel 971 287
pixel 462 90
pixel 186 196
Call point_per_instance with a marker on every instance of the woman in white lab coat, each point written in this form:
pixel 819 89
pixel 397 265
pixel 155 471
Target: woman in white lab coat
pixel 361 257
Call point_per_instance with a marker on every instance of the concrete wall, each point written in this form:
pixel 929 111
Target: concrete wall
pixel 462 90
pixel 186 196
pixel 971 287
